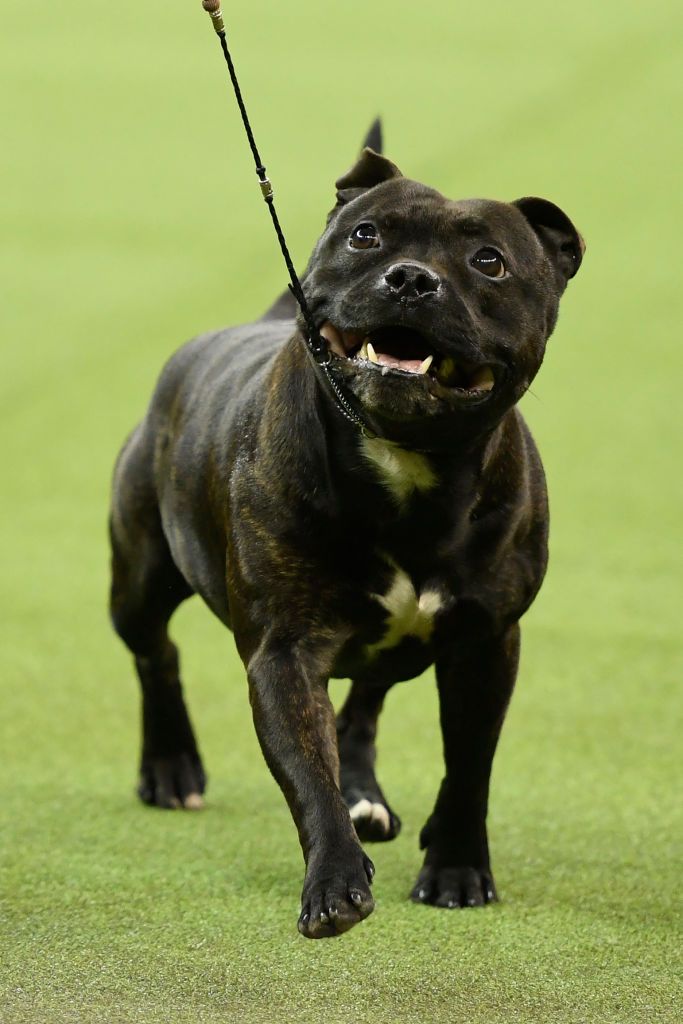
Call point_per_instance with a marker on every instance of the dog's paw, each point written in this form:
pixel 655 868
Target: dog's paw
pixel 374 821
pixel 452 887
pixel 336 899
pixel 172 782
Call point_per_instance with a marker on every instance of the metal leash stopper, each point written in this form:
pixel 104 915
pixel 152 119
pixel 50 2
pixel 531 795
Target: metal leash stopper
pixel 264 184
pixel 213 9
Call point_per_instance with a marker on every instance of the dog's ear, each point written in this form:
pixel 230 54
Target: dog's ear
pixel 373 139
pixel 557 233
pixel 369 170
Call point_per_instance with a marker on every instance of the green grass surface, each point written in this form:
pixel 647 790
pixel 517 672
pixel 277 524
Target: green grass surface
pixel 130 221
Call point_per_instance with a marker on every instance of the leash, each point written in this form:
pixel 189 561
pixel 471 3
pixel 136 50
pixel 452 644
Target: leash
pixel 316 344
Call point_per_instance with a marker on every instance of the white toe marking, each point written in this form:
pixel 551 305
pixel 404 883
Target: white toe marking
pixel 366 811
pixel 193 802
pixel 363 809
pixel 381 815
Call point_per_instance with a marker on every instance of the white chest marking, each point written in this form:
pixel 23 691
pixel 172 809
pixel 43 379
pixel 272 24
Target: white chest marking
pixel 402 471
pixel 408 613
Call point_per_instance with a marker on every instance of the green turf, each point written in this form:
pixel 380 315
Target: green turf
pixel 130 221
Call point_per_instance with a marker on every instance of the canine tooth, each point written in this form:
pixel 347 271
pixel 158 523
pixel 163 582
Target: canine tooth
pixel 446 370
pixel 363 354
pixel 483 379
pixel 372 355
pixel 425 364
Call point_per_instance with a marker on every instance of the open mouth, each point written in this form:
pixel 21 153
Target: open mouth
pixel 403 350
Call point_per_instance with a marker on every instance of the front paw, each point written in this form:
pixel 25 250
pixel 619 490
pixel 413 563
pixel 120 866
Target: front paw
pixel 336 894
pixel 454 886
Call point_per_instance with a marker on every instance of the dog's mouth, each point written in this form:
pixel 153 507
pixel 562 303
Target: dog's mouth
pixel 402 350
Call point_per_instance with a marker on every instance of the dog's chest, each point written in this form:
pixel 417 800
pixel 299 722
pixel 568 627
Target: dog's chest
pixel 402 472
pixel 408 613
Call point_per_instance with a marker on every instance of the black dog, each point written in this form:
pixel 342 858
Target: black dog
pixel 331 551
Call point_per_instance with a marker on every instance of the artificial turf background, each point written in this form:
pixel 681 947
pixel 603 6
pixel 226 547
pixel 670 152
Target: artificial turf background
pixel 130 221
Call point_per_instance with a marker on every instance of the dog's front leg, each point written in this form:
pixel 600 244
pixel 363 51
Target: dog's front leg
pixel 475 678
pixel 295 724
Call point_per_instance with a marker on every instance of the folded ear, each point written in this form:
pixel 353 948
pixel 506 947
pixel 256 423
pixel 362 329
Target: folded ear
pixel 557 233
pixel 369 170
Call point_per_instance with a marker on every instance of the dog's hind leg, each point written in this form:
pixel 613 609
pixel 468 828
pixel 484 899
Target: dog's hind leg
pixel 356 732
pixel 145 591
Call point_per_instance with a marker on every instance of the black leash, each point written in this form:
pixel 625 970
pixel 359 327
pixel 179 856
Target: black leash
pixel 315 342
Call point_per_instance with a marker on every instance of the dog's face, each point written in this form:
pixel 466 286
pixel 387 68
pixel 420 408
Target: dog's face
pixel 436 313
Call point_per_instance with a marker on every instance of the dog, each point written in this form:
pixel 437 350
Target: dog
pixel 368 554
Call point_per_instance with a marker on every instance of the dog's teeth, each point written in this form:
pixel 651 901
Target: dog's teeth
pixel 363 354
pixel 483 379
pixel 372 355
pixel 446 370
pixel 425 364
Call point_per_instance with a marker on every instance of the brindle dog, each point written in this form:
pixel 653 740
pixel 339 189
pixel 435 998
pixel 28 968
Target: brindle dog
pixel 332 552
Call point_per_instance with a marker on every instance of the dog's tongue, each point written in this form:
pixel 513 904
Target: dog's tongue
pixel 411 365
pixel 342 343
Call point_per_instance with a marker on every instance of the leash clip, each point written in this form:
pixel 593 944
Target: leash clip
pixel 320 351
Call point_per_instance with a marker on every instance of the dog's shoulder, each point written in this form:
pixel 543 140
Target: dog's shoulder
pixel 215 367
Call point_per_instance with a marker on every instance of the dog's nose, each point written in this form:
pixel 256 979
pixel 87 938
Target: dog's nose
pixel 411 281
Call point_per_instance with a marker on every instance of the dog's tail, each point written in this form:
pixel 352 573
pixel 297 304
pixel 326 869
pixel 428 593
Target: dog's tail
pixel 285 307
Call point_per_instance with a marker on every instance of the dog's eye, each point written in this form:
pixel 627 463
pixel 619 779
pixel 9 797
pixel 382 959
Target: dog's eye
pixel 365 236
pixel 489 262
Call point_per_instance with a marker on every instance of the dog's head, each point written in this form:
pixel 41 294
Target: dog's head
pixel 436 313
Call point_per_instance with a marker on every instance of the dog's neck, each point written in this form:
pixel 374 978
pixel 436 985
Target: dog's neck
pixel 367 481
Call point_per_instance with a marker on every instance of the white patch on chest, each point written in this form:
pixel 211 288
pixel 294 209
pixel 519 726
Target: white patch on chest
pixel 402 471
pixel 409 614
